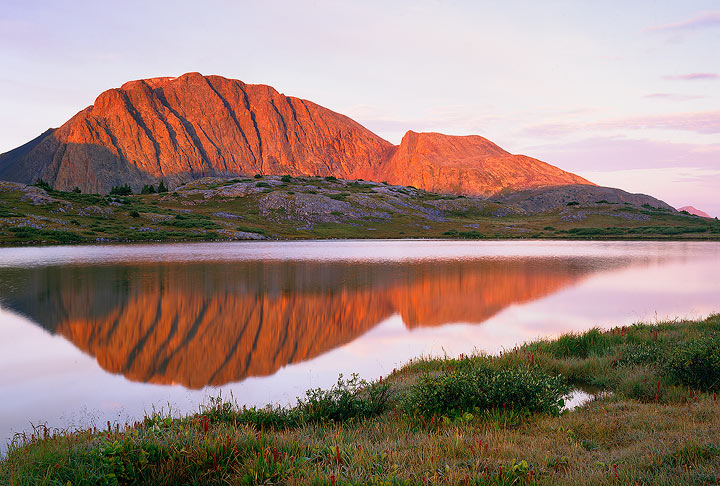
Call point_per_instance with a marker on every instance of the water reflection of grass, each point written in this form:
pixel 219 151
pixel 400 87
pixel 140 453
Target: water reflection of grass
pixel 471 420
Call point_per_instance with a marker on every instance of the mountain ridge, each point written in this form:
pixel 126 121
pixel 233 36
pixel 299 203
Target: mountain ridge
pixel 183 128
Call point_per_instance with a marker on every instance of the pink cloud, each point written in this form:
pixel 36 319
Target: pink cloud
pixel 673 96
pixel 615 153
pixel 704 122
pixel 707 19
pixel 693 77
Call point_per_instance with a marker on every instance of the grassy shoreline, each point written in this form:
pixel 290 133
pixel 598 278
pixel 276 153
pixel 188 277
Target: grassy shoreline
pixel 471 420
pixel 287 208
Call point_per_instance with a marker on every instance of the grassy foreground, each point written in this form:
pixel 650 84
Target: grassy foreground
pixel 473 420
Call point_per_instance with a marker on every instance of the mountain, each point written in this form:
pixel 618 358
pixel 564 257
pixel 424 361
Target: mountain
pixel 470 165
pixel 544 199
pixel 192 126
pixel 695 211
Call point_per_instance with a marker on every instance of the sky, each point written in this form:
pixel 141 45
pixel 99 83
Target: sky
pixel 626 94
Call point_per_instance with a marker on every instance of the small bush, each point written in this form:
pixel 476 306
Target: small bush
pixel 43 185
pixel 331 178
pixel 286 178
pixel 469 389
pixel 262 184
pixel 8 213
pixel 258 176
pixel 134 214
pixel 35 234
pixel 573 203
pixel 347 399
pixel 124 190
pixel 697 363
pixel 248 229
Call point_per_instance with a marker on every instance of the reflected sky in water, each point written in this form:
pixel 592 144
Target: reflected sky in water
pixel 89 334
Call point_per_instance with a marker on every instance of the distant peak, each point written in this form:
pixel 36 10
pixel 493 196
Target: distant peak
pixel 694 211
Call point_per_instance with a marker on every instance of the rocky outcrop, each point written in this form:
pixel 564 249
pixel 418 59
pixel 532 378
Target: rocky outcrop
pixel 193 126
pixel 470 165
pixel 211 324
pixel 544 199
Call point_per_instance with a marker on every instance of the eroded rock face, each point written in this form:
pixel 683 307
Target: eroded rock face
pixel 193 126
pixel 470 165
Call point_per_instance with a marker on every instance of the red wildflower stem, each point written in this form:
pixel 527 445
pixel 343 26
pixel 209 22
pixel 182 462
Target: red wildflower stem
pixel 338 459
pixel 332 480
pixel 215 461
pixel 615 472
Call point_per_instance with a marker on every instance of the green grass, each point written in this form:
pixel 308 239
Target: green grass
pixel 71 213
pixel 433 422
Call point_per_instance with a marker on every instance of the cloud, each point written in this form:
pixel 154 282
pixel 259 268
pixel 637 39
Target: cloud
pixel 703 122
pixel 616 153
pixel 704 20
pixel 693 77
pixel 673 96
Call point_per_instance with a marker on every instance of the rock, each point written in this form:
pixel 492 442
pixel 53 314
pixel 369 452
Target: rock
pixel 544 199
pixel 470 165
pixel 191 127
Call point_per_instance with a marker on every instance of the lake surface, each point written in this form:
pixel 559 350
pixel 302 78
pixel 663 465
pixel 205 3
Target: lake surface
pixel 96 333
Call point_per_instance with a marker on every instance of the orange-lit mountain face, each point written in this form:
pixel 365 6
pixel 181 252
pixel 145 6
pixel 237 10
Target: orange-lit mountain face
pixel 179 129
pixel 211 324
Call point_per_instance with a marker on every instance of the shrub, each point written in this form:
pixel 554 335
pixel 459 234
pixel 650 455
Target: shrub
pixel 258 176
pixel 286 178
pixel 134 214
pixel 43 185
pixel 262 184
pixel 331 178
pixel 162 187
pixel 124 190
pixel 76 190
pixel 8 213
pixel 697 363
pixel 483 388
pixel 248 229
pixel 347 399
pixel 35 234
pixel 573 203
pixel 148 189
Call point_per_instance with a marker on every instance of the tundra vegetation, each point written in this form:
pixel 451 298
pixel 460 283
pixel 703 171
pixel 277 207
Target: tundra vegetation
pixel 480 419
pixel 285 207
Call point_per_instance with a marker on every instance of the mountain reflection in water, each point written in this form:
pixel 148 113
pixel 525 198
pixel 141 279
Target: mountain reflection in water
pixel 215 323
